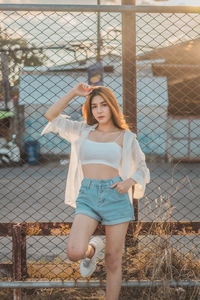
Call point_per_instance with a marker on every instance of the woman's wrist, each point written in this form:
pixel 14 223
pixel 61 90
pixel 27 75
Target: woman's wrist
pixel 132 181
pixel 71 94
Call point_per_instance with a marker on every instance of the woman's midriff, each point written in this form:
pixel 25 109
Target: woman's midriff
pixel 99 171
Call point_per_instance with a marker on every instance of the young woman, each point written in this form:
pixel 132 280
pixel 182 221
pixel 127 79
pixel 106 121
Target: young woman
pixel 105 163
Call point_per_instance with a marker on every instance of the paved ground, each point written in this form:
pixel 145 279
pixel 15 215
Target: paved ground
pixel 36 193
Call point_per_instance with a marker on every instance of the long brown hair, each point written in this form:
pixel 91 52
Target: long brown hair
pixel 110 99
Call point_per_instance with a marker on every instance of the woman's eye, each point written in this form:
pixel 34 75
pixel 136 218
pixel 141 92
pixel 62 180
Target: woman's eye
pixel 105 104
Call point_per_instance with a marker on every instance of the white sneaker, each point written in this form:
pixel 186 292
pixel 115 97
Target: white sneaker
pixel 88 265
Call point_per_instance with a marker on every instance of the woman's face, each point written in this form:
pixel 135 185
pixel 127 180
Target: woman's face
pixel 100 110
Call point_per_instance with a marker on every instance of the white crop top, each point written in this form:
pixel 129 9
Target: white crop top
pixel 106 153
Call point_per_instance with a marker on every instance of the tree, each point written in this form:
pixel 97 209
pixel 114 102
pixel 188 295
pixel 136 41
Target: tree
pixel 20 53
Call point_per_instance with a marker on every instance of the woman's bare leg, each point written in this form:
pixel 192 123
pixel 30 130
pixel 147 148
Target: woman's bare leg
pixel 82 229
pixel 115 237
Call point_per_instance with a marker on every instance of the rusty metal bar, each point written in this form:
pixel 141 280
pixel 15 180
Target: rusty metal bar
pixel 144 228
pixel 175 228
pixel 54 228
pixel 136 209
pixel 17 259
pixel 6 229
pixel 16 251
pixel 92 284
pixel 24 272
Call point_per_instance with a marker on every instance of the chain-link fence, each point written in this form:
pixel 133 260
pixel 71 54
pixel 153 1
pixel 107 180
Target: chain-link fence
pixel 44 53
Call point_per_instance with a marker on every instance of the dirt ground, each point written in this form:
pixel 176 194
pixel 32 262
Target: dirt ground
pixel 99 294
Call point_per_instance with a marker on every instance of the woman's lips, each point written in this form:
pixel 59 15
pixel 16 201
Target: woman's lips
pixel 101 117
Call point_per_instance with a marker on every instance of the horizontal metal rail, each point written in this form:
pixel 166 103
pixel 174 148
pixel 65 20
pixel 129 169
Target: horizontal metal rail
pixel 100 8
pixel 86 284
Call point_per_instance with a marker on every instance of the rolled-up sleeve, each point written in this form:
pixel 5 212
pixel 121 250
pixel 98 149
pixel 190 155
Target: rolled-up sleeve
pixel 141 173
pixel 67 129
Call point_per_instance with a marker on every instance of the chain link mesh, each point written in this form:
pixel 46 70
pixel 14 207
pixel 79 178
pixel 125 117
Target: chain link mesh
pixel 50 52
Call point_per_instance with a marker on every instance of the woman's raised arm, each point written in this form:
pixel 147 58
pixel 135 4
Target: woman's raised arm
pixel 82 89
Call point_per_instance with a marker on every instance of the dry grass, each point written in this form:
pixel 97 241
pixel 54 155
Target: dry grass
pixel 161 262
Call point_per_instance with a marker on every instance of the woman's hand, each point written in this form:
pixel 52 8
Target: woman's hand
pixel 123 186
pixel 82 89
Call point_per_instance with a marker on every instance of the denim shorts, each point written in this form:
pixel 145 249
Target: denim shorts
pixel 97 200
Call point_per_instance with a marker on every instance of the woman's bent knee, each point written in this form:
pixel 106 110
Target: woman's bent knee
pixel 75 254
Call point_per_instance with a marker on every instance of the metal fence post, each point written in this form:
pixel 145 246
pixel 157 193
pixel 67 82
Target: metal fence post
pixel 129 65
pixel 129 76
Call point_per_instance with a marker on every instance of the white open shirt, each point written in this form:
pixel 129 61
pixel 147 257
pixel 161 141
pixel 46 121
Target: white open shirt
pixel 132 164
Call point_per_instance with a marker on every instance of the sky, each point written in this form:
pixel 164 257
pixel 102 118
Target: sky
pixel 116 2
